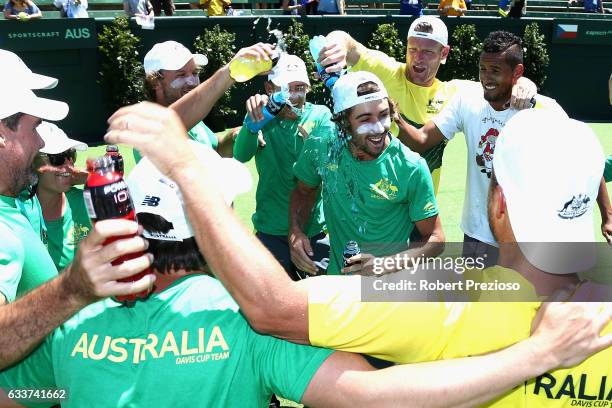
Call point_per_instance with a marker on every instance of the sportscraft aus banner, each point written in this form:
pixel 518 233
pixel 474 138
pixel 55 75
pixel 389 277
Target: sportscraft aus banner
pixel 52 34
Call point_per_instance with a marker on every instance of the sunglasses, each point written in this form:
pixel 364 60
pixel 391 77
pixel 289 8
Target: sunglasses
pixel 60 158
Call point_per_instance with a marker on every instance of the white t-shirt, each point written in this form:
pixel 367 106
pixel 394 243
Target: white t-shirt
pixel 470 113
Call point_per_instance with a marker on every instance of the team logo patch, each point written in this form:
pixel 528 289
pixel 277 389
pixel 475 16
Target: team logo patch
pixel 434 106
pixel 429 206
pixel 77 233
pixel 575 207
pixel 384 189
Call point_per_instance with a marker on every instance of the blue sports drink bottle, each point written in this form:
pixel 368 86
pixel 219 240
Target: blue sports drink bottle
pixel 316 44
pixel 275 104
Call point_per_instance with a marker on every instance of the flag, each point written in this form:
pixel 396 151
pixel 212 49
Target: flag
pixel 567 31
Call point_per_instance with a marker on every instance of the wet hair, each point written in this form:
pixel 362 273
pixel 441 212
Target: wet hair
pixel 149 85
pixel 342 118
pixel 12 121
pixel 170 255
pixel 508 43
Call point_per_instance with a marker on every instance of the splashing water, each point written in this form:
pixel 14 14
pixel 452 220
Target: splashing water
pixel 276 33
pixel 280 38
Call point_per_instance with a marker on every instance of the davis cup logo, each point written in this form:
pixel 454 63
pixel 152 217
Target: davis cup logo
pixel 575 207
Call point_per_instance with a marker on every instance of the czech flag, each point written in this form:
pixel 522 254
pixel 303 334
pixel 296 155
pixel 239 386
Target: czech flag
pixel 567 31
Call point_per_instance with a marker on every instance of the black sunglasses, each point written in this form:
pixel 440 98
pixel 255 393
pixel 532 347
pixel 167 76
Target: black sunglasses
pixel 60 158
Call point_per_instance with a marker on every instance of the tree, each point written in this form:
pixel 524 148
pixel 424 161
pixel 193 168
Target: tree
pixel 464 56
pixel 218 46
pixel 296 43
pixel 535 55
pixel 121 72
pixel 386 39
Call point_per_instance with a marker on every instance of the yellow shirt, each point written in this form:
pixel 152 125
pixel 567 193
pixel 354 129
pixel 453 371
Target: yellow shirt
pixel 417 104
pixel 424 331
pixel 454 3
pixel 215 7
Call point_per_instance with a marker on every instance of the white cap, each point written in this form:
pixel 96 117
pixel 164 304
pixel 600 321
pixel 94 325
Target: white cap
pixel 11 66
pixel 56 141
pixel 289 68
pixel 549 168
pixel 345 93
pixel 16 99
pixel 171 56
pixel 438 34
pixel 154 193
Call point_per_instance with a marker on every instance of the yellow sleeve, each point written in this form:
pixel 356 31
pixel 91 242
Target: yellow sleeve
pixel 586 385
pixel 383 66
pixel 402 332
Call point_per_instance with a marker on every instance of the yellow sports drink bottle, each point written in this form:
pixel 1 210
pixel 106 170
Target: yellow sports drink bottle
pixel 244 68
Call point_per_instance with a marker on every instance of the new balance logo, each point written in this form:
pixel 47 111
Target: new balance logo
pixel 151 201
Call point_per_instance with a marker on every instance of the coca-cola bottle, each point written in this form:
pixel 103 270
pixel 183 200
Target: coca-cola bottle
pixel 107 197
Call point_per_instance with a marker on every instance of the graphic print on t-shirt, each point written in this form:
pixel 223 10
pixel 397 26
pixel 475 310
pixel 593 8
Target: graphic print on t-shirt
pixel 486 148
pixel 77 233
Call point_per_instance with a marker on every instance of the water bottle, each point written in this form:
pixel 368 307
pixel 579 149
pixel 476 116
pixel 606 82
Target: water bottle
pixel 275 104
pixel 106 197
pixel 244 68
pixel 316 44
pixel 350 250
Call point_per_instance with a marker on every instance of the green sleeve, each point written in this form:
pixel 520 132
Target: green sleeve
pixel 137 156
pixel 325 128
pixel 12 258
pixel 286 368
pixel 305 168
pixel 608 169
pixel 35 371
pixel 245 145
pixel 212 137
pixel 422 200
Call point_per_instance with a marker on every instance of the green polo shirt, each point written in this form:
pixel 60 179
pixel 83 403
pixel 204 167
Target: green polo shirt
pixel 274 162
pixel 187 346
pixel 65 233
pixel 24 260
pixel 374 202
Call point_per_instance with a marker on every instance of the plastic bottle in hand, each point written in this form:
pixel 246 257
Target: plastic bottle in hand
pixel 113 152
pixel 275 104
pixel 316 44
pixel 244 68
pixel 106 197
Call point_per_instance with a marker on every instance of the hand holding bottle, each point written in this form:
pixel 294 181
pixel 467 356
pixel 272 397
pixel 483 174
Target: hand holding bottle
pixel 251 61
pixel 261 109
pixel 318 45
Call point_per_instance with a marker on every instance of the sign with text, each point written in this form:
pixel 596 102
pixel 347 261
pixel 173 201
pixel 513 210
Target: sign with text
pixel 582 32
pixel 52 34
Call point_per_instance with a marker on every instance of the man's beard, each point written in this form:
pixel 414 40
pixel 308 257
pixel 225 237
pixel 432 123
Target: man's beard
pixel 21 179
pixel 175 95
pixel 498 96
